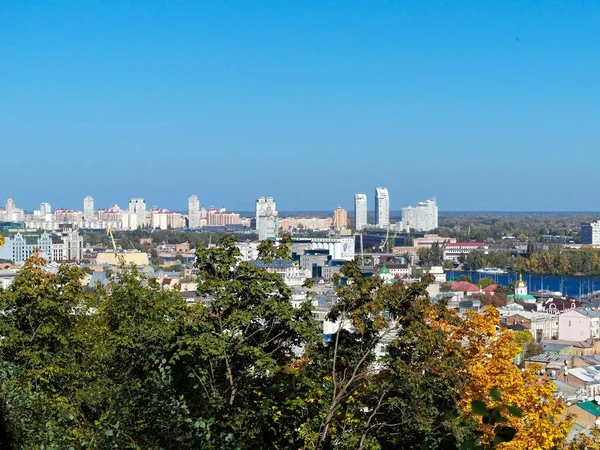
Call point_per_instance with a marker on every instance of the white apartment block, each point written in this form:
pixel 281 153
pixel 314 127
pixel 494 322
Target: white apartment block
pixel 423 217
pixel 382 207
pixel 137 207
pixel 88 209
pixel 360 211
pixel 266 218
pixel 194 212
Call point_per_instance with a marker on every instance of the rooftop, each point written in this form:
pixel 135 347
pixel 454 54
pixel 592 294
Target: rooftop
pixel 591 407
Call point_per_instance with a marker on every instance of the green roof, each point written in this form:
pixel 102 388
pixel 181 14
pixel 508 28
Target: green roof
pixel 384 270
pixel 523 298
pixel 591 407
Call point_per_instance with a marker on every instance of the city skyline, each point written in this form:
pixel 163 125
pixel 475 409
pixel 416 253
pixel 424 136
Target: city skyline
pixel 162 99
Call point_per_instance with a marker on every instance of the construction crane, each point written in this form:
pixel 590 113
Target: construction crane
pixel 112 238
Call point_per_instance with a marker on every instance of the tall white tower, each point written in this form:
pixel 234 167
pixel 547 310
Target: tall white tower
pixel 10 207
pixel 194 212
pixel 360 211
pixel 88 209
pixel 137 207
pixel 45 208
pixel 266 218
pixel 382 207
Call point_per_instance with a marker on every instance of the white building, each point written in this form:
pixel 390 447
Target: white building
pixel 579 325
pixel 541 325
pixel 266 218
pixel 159 218
pixel 45 210
pixel 20 245
pixel 423 217
pixel 341 247
pixel 249 250
pixel 12 213
pixel 194 212
pixel 590 233
pixel 129 221
pixel 137 207
pixel 360 211
pixel 438 273
pixel 293 275
pixel 88 209
pixel 453 250
pixel 382 207
pixel 6 278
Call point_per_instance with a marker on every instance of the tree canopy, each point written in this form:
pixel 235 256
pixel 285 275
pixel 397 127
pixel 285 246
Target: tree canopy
pixel 131 365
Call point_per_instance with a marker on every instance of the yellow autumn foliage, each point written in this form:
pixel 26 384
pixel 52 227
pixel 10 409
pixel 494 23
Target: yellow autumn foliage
pixel 490 351
pixel 1 240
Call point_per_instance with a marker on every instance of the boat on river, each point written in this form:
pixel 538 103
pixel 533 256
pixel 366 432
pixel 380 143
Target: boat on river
pixel 491 270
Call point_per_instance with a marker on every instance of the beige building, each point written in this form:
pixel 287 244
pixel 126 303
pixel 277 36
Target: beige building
pixel 340 218
pixel 115 259
pixel 429 239
pixel 306 223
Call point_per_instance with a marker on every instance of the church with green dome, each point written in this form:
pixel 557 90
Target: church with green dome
pixel 521 294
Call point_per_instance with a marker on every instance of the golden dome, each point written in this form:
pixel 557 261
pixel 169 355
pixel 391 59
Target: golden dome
pixel 520 283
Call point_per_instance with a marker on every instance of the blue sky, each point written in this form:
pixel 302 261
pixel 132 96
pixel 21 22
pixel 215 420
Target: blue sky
pixel 487 105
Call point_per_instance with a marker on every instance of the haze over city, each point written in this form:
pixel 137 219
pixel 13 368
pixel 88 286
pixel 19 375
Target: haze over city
pixel 484 105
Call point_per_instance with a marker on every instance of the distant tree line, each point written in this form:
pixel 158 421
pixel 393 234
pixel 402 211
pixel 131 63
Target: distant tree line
pixel 555 261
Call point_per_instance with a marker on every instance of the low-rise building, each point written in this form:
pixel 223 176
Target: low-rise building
pixel 579 325
pixel 453 251
pixel 249 250
pixel 292 274
pixel 541 325
pixel 429 239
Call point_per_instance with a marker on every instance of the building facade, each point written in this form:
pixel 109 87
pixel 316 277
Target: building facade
pixel 21 245
pixel 266 218
pixel 88 209
pixel 590 233
pixel 340 218
pixel 360 211
pixel 382 207
pixel 137 207
pixel 423 217
pixel 452 251
pixel 194 212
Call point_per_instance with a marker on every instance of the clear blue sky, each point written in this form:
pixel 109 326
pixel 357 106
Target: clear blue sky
pixel 488 105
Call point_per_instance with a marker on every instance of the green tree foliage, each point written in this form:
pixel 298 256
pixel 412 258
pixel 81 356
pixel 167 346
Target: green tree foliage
pixel 268 251
pixel 485 282
pixel 131 366
pixel 433 256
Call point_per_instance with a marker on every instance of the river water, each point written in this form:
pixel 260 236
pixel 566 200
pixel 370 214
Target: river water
pixel 568 285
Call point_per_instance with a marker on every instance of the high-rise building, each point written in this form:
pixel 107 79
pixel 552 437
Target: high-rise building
pixel 10 207
pixel 88 208
pixel 12 213
pixel 360 211
pixel 340 218
pixel 45 209
pixel 590 233
pixel 266 218
pixel 194 212
pixel 382 207
pixel 423 217
pixel 137 207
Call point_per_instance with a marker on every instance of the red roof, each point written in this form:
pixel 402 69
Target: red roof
pixel 491 288
pixel 464 286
